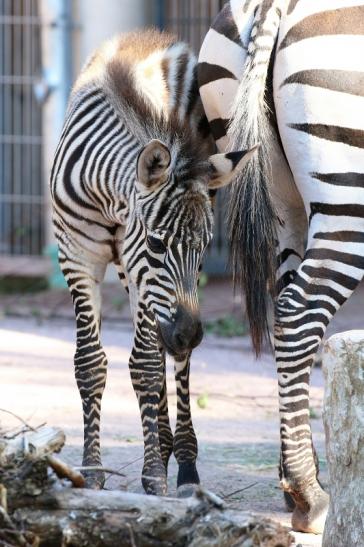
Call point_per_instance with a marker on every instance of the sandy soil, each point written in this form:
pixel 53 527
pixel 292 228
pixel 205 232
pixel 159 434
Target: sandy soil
pixel 237 430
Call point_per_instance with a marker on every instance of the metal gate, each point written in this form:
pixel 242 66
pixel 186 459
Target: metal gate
pixel 21 186
pixel 190 21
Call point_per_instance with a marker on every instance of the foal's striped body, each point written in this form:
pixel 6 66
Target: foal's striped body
pixel 130 185
pixel 303 60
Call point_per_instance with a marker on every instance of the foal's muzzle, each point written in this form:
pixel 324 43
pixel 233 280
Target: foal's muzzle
pixel 183 333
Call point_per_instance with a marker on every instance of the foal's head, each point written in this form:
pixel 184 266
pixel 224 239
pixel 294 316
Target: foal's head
pixel 168 231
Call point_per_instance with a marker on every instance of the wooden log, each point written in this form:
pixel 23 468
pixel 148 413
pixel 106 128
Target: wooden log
pixel 114 519
pixel 24 461
pixel 343 366
pixel 32 445
pixel 42 511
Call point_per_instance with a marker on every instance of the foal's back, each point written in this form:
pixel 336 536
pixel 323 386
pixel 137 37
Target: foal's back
pixel 150 73
pixel 136 87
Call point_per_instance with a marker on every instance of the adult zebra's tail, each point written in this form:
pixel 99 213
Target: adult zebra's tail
pixel 252 219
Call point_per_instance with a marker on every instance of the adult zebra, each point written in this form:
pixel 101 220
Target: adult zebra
pixel 130 185
pixel 288 73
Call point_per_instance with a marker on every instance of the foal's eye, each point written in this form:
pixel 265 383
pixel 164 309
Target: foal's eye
pixel 155 244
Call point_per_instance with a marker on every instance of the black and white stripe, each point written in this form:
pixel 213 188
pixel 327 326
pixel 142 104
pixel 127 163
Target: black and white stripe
pixel 130 185
pixel 300 58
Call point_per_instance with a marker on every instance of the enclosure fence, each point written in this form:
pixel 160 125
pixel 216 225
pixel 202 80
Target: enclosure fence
pixel 190 20
pixel 21 187
pixel 24 218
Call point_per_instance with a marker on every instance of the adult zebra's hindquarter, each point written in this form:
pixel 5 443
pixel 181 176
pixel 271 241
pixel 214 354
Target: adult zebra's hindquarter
pixel 319 114
pixel 130 185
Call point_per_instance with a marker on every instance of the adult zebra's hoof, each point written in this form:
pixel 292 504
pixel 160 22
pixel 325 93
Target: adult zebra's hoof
pixel 94 479
pixel 186 490
pixel 311 521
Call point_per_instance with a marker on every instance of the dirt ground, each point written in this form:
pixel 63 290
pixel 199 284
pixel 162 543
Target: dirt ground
pixel 237 429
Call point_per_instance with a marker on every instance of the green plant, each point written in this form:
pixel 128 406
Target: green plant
pixel 118 303
pixel 227 326
pixel 313 414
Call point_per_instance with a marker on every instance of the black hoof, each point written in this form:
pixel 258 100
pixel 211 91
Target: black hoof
pixel 187 474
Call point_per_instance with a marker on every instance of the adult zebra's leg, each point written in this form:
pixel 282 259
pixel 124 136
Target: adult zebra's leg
pixel 184 442
pixel 292 231
pixel 90 360
pixel 324 280
pixel 146 366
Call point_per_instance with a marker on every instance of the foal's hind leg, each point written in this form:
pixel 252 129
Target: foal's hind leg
pixel 184 442
pixel 90 361
pixel 324 280
pixel 164 426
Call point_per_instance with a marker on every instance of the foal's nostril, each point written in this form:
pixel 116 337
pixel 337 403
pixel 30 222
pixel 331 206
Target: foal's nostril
pixel 179 340
pixel 183 333
pixel 188 337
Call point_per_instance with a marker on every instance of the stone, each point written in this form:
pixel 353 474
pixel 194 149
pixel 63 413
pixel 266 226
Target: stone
pixel 343 366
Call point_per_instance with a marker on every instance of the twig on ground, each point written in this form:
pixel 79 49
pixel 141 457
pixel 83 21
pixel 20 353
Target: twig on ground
pixel 224 496
pixel 25 429
pixel 64 471
pixel 18 418
pixel 212 498
pixel 126 465
pixel 98 468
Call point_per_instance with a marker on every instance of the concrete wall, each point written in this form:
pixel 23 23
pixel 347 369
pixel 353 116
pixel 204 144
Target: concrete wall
pixel 92 22
pixel 99 20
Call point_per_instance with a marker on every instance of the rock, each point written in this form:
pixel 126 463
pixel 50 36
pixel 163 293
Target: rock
pixel 343 366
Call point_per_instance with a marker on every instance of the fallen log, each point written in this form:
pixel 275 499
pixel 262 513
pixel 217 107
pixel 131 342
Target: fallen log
pixel 110 519
pixel 40 510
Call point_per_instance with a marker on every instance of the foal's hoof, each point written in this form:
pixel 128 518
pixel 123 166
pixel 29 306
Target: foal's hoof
pixel 313 520
pixel 94 479
pixel 154 484
pixel 186 490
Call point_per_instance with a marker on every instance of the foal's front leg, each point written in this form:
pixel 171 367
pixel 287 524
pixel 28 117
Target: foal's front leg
pixel 147 375
pixel 83 279
pixel 184 442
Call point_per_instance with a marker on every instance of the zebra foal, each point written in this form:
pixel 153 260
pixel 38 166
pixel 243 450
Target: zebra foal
pixel 290 74
pixel 130 185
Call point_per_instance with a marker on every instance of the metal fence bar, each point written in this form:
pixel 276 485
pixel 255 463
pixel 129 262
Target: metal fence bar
pixel 21 188
pixel 190 21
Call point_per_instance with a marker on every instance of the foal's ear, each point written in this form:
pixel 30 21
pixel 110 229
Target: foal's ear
pixel 152 164
pixel 226 166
